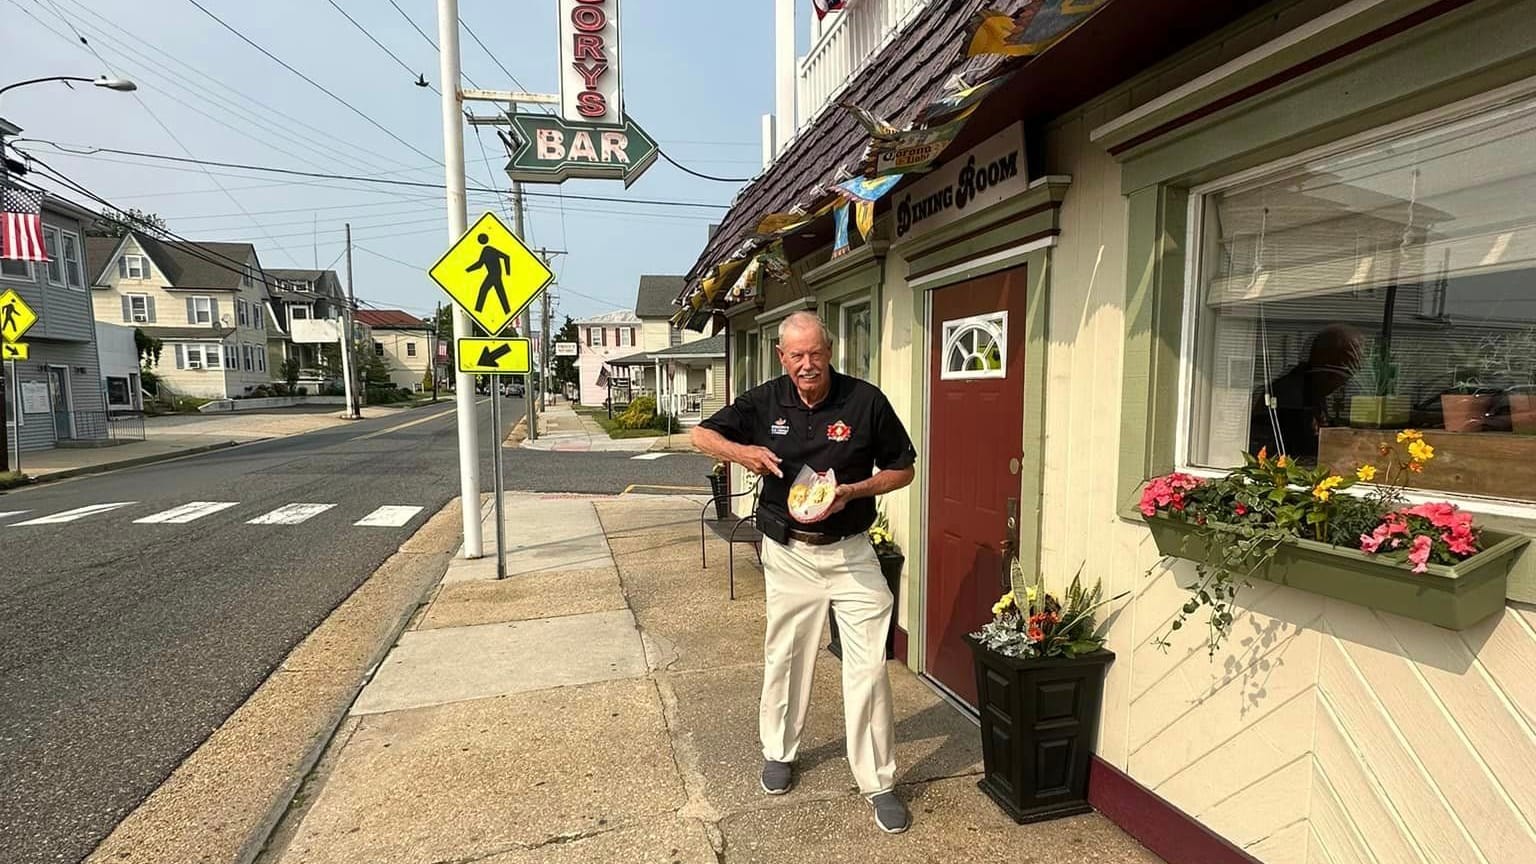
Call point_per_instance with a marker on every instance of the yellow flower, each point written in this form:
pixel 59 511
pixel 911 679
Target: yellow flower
pixel 1367 473
pixel 1407 435
pixel 1002 604
pixel 1421 451
pixel 1031 594
pixel 1282 461
pixel 1323 490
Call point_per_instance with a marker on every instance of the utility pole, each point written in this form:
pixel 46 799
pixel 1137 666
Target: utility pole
pixel 437 337
pixel 458 223
pixel 522 325
pixel 349 364
pixel 544 340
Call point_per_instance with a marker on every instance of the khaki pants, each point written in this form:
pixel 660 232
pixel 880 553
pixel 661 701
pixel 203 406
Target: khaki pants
pixel 801 581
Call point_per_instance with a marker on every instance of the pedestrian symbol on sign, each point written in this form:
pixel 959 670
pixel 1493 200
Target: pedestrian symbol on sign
pixel 16 317
pixel 494 261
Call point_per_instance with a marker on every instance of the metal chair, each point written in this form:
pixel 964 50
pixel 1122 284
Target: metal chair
pixel 734 534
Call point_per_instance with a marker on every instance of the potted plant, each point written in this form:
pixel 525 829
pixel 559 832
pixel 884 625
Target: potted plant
pixel 1040 669
pixel 891 562
pixel 1383 407
pixel 1520 364
pixel 1469 402
pixel 1275 520
pixel 718 490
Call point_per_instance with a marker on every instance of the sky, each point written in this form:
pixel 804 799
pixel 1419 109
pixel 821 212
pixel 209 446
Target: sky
pixel 698 83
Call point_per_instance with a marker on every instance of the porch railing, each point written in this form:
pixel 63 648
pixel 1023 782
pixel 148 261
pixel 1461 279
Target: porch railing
pixel 849 39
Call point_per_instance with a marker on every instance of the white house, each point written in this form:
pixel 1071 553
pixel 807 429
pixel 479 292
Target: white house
pixel 603 338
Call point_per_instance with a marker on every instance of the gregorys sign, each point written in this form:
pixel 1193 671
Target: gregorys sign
pixel 987 174
pixel 590 90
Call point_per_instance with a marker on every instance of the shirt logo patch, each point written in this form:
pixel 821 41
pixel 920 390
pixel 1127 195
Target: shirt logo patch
pixel 839 431
pixel 779 427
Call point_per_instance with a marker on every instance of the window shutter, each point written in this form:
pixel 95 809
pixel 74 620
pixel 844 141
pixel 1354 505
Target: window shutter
pixel 605 337
pixel 181 356
pixel 127 309
pixel 213 313
pixel 191 311
pixel 149 302
pixel 122 267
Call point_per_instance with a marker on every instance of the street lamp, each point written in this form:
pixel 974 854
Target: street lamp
pixel 122 85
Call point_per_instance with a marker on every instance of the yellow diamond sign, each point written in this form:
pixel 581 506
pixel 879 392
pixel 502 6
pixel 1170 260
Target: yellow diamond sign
pixel 16 317
pixel 491 274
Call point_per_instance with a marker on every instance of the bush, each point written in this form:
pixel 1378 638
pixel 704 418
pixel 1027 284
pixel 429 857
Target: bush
pixel 303 391
pixel 640 414
pixel 13 479
pixel 665 422
pixel 280 389
pixel 260 391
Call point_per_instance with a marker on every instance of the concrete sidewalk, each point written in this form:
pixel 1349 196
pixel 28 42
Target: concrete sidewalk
pixel 563 430
pixel 177 435
pixel 600 705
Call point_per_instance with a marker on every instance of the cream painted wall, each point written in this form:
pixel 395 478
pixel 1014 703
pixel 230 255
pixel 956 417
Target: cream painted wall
pixel 1322 731
pixel 404 370
pixel 897 331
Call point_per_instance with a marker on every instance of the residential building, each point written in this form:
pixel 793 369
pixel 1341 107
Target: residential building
pixel 301 295
pixel 604 337
pixel 1184 202
pixel 204 301
pixel 683 369
pixel 403 341
pixel 59 388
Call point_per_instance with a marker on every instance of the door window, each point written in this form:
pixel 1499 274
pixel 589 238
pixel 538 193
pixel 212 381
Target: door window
pixel 976 347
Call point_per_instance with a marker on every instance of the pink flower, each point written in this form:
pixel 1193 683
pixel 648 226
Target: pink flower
pixel 1370 543
pixel 1166 491
pixel 1439 513
pixel 1239 509
pixel 1419 554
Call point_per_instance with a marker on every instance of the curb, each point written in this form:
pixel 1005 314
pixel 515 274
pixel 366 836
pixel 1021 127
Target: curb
pixel 136 462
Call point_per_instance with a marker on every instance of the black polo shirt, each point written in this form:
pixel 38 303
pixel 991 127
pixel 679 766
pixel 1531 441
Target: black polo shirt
pixel 852 431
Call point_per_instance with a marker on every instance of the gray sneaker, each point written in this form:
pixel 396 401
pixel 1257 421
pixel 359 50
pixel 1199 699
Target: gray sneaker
pixel 890 814
pixel 778 777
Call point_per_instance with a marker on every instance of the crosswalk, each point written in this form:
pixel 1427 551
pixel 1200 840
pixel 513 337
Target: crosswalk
pixel 296 513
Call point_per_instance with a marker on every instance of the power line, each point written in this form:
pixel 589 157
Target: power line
pixel 421 80
pixel 686 170
pixel 430 41
pixel 317 85
pixel 465 24
pixel 415 184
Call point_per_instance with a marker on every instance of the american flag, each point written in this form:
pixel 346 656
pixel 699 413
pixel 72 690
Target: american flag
pixel 22 236
pixel 823 7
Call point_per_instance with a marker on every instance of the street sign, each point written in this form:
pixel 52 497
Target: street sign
pixel 552 150
pixel 490 274
pixel 567 349
pixel 14 351
pixel 16 317
pixel 495 356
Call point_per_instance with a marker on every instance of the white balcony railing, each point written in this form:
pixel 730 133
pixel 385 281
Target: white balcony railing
pixel 848 40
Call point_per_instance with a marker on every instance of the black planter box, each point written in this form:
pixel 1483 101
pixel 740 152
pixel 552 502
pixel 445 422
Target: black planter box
pixel 1039 720
pixel 722 497
pixel 890 568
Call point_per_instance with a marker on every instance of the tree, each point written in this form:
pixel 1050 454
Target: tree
pixel 565 367
pixel 117 223
pixel 149 348
pixel 375 369
pixel 444 325
pixel 291 371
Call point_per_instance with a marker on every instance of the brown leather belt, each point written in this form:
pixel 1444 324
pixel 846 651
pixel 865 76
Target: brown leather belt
pixel 811 539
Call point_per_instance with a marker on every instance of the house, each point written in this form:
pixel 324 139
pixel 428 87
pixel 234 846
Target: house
pixel 604 337
pixel 690 366
pixel 301 295
pixel 59 388
pixel 1192 211
pixel 204 301
pixel 405 343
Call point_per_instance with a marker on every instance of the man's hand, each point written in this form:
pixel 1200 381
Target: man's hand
pixel 840 500
pixel 758 460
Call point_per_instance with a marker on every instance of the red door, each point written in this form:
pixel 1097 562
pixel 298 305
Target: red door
pixel 976 430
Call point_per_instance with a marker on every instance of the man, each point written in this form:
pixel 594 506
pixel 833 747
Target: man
pixel 814 416
pixel 1300 396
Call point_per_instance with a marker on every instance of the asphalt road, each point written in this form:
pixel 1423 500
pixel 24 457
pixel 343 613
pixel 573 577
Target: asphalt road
pixel 123 644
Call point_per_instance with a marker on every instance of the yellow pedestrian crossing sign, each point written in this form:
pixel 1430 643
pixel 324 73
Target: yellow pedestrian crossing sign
pixel 491 274
pixel 16 317
pixel 14 351
pixel 495 356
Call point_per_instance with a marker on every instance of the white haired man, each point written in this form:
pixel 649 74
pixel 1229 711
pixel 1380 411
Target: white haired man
pixel 814 416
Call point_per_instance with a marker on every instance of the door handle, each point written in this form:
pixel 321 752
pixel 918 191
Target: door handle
pixel 1010 545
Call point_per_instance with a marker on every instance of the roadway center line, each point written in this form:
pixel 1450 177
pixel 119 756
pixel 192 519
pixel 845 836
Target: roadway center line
pixel 72 515
pixel 291 514
pixel 417 422
pixel 647 457
pixel 188 512
pixel 388 517
pixel 6 514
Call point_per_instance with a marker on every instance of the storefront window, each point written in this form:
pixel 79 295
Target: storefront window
pixel 856 340
pixel 1391 286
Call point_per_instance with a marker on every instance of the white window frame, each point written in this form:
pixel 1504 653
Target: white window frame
pixel 129 260
pixel 1511 98
pixel 240 314
pixel 843 342
pixel 410 349
pixel 128 379
pixel 29 276
pixel 201 304
pixel 952 329
pixel 133 311
pixel 52 243
pixel 594 338
pixel 67 239
pixel 231 356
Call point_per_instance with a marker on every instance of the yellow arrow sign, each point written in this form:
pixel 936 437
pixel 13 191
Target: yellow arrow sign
pixel 490 274
pixel 14 351
pixel 495 356
pixel 16 317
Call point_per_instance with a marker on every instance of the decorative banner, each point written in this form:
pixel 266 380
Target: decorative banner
pixel 1037 27
pixel 782 223
pixel 878 127
pixel 550 150
pixel 590 90
pixel 914 151
pixel 864 215
pixel 988 173
pixel 865 189
pixel 840 232
pixel 960 103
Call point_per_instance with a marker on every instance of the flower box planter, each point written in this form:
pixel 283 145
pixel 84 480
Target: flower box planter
pixel 890 568
pixel 717 489
pixel 1039 722
pixel 1455 597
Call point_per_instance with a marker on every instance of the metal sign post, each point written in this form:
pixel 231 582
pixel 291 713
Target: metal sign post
pixel 496 482
pixel 492 357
